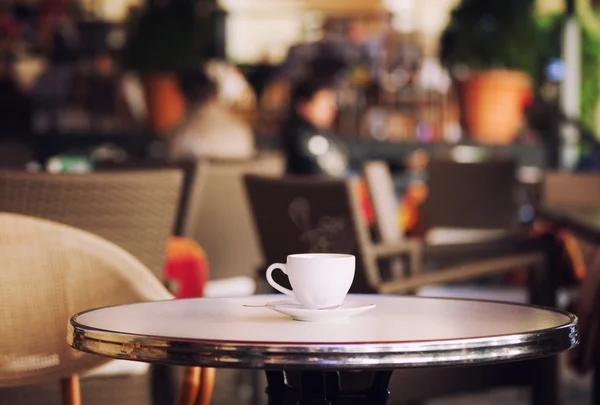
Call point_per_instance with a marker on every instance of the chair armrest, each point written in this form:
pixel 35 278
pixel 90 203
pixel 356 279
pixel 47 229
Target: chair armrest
pixel 462 272
pixel 385 250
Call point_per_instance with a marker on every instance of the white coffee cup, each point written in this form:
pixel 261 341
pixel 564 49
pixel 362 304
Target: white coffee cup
pixel 319 280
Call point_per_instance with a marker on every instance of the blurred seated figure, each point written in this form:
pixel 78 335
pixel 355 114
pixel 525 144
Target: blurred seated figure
pixel 233 90
pixel 58 39
pixel 309 146
pixel 210 130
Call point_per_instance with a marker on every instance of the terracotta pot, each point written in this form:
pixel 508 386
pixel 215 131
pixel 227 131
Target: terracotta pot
pixel 493 104
pixel 166 106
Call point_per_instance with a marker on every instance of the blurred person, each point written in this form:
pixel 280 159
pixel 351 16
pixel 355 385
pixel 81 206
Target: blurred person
pixel 306 137
pixel 14 104
pixel 209 129
pixel 58 39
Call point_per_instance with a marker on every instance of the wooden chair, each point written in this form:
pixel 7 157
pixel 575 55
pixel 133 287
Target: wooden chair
pixel 474 196
pixel 51 271
pixel 134 209
pixel 295 215
pixel 486 243
pixel 311 215
pixel 385 207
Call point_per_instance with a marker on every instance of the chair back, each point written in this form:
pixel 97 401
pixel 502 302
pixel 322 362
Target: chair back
pixel 191 188
pixel 133 209
pixel 223 221
pixel 310 215
pixel 384 200
pixel 51 271
pixel 480 195
pixel 571 190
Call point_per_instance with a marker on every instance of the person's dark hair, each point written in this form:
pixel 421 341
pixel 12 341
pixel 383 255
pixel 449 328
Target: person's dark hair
pixel 306 89
pixel 196 86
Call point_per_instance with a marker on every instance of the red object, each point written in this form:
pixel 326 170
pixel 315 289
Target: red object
pixel 53 5
pixel 187 267
pixel 9 27
pixel 365 203
pixel 528 98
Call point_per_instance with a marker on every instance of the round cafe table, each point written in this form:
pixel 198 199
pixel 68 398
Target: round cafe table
pixel 399 332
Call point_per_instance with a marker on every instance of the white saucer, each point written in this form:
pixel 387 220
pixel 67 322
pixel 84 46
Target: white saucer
pixel 296 311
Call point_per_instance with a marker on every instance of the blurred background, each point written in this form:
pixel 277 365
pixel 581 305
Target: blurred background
pixel 459 119
pixel 78 74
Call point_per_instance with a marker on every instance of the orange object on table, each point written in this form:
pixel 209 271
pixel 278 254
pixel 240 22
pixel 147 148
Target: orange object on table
pixel 187 267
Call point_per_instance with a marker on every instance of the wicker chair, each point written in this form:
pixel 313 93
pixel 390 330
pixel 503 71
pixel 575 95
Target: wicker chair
pixel 51 271
pixel 135 209
pixel 192 188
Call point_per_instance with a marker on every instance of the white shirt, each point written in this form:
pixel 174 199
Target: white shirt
pixel 213 132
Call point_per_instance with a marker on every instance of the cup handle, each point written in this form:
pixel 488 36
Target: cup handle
pixel 276 286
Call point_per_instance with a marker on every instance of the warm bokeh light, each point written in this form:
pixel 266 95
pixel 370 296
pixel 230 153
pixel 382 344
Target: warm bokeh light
pixel 112 10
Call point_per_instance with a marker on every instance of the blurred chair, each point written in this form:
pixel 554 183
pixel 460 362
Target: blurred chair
pixel 296 215
pixel 571 190
pixel 470 201
pixel 50 272
pixel 488 239
pixel 194 174
pixel 133 209
pixel 223 220
pixel 385 206
pixel 214 212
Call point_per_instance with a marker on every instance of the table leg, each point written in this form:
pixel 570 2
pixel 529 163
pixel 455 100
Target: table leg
pixel 379 392
pixel 276 387
pixel 325 388
pixel 313 389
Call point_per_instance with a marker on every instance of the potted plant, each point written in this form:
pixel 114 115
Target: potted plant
pixel 489 47
pixel 160 43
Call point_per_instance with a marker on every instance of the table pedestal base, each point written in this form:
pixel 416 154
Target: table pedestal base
pixel 325 388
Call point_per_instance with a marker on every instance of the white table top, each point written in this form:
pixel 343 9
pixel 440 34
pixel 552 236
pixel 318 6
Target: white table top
pixel 400 331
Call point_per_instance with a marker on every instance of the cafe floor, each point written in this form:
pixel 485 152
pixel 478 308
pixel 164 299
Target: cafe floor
pixel 575 390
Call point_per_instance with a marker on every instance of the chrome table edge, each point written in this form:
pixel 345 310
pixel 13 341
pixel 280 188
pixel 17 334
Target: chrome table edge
pixel 338 356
